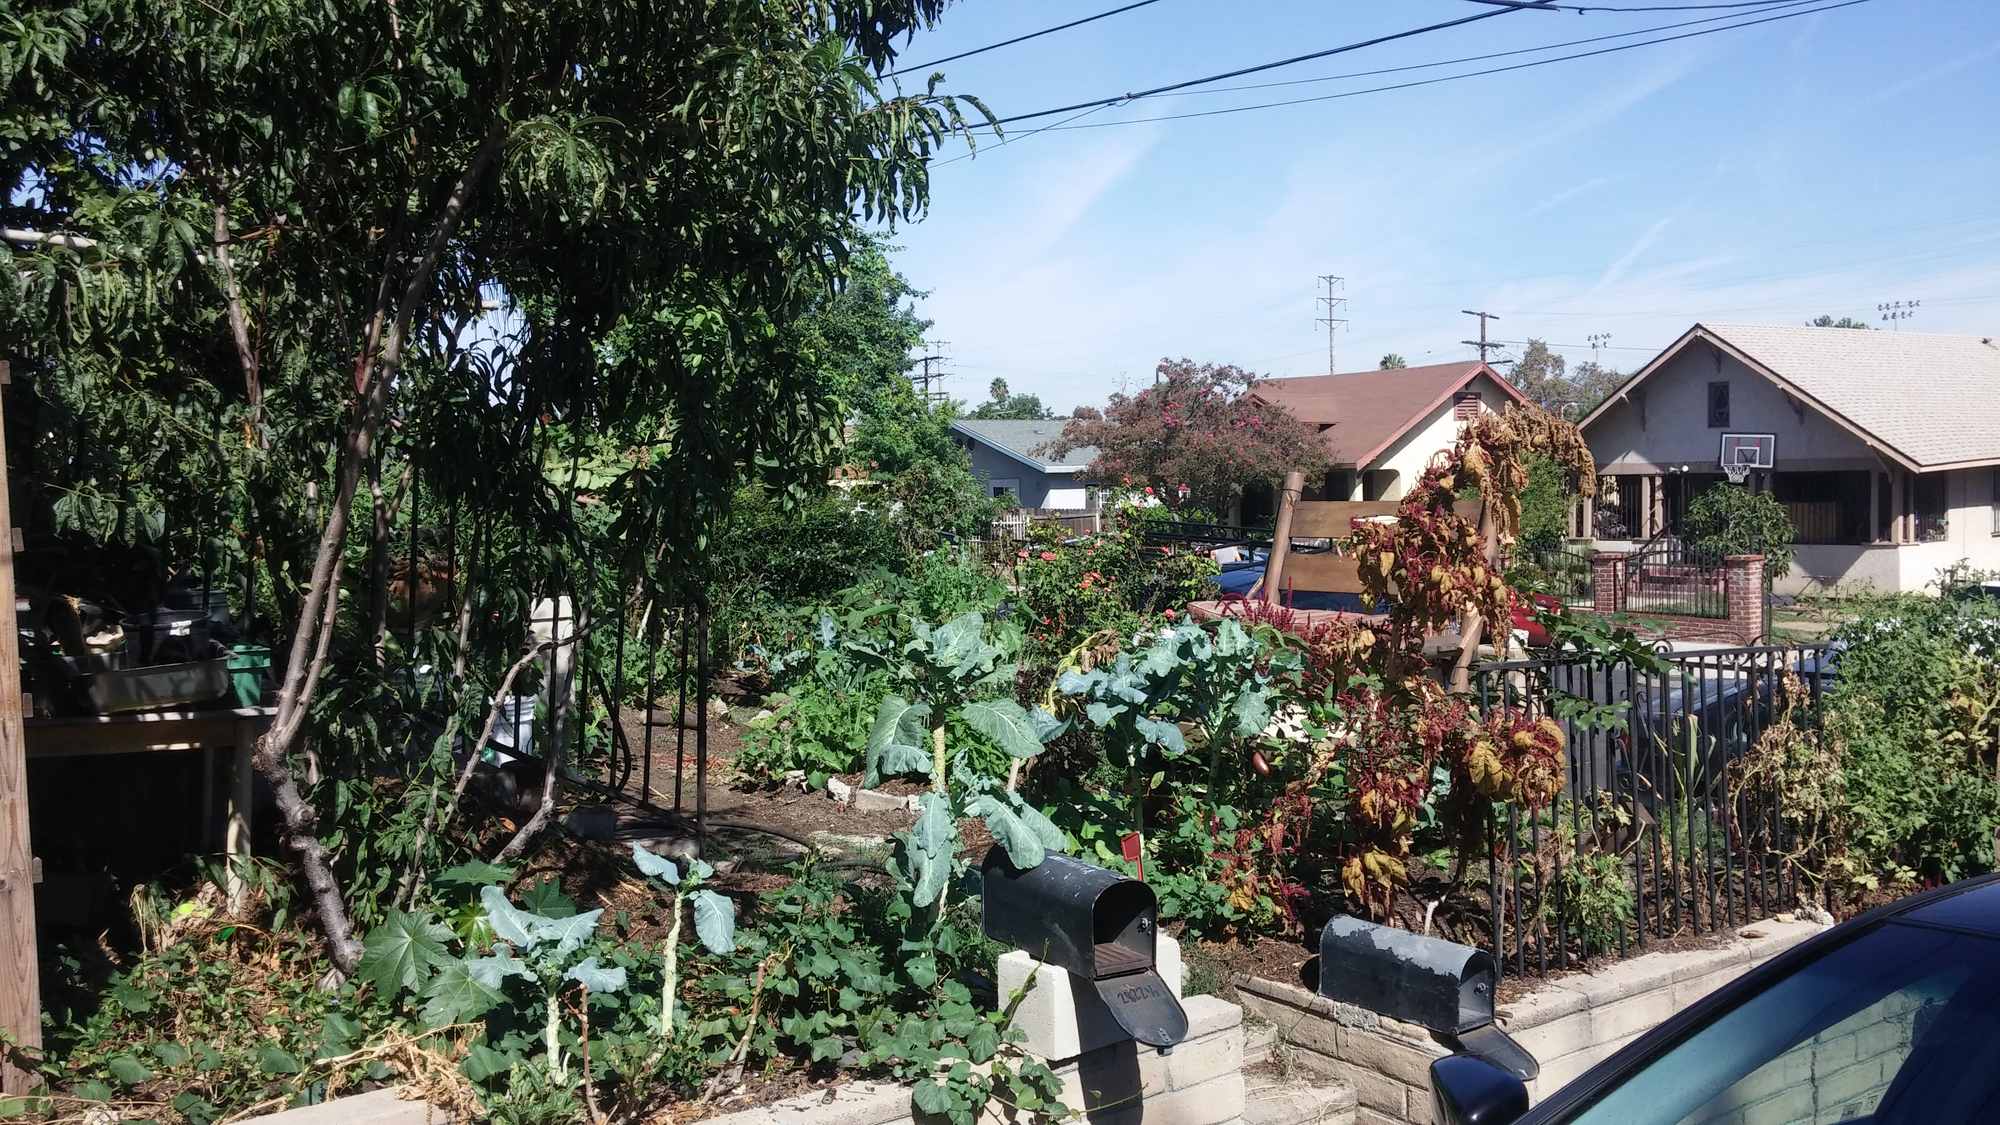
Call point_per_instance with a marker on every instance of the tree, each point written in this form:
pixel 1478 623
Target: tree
pixel 1197 425
pixel 1591 384
pixel 1729 519
pixel 1002 405
pixel 295 218
pixel 1544 376
pixel 1392 361
pixel 1824 320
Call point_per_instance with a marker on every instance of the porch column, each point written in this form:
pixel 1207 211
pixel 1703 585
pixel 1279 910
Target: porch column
pixel 1896 497
pixel 1588 528
pixel 1874 507
pixel 1658 510
pixel 1643 524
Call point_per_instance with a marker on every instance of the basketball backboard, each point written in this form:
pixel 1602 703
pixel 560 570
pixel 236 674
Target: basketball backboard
pixel 1749 451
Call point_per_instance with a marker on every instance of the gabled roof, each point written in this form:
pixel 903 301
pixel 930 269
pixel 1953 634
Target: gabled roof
pixel 1367 411
pixel 1021 440
pixel 1926 401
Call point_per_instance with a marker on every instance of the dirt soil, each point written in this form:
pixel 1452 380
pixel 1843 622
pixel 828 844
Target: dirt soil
pixel 1273 958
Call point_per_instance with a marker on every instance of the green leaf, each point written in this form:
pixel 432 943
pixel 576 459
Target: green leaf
pixel 714 921
pixel 483 1062
pixel 173 1054
pixel 1252 712
pixel 492 971
pixel 457 994
pixel 659 867
pixel 128 1070
pixel 509 924
pixel 1045 830
pixel 400 953
pixel 932 845
pixel 1006 723
pixel 477 873
pixel 983 1042
pixel 931 1096
pixel 596 977
pixel 899 725
pixel 545 898
pixel 827 1047
pixel 273 1059
pixel 1024 847
pixel 1161 733
pixel 91 1090
pixel 923 970
pixel 569 934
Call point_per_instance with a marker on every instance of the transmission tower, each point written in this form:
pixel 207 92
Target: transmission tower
pixel 1335 302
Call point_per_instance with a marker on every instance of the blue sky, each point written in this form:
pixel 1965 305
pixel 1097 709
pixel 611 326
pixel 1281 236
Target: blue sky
pixel 1820 164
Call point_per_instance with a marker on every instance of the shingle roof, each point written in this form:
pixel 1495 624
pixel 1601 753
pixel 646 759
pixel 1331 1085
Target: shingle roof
pixel 1024 438
pixel 1367 410
pixel 1934 399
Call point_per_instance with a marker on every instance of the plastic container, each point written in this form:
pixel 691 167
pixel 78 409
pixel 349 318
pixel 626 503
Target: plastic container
pixel 249 668
pixel 158 686
pixel 513 733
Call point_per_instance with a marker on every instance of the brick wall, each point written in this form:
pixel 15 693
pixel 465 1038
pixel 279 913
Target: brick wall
pixel 1569 1024
pixel 1838 1075
pixel 1743 594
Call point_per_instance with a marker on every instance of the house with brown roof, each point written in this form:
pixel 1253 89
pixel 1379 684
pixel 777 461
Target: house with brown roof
pixel 1381 428
pixel 1883 447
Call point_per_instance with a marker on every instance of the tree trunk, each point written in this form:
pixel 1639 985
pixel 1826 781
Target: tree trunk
pixel 1470 627
pixel 373 375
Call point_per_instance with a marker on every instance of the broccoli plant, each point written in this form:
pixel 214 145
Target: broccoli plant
pixel 955 669
pixel 543 951
pixel 1219 683
pixel 714 921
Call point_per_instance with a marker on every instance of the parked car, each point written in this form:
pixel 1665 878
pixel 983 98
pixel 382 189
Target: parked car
pixel 1890 1019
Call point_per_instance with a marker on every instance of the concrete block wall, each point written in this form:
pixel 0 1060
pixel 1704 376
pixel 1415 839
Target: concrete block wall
pixel 1569 1024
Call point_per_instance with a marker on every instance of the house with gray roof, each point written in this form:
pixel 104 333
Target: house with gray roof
pixel 1883 447
pixel 1006 455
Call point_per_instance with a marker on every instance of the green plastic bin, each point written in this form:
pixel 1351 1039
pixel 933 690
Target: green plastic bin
pixel 249 667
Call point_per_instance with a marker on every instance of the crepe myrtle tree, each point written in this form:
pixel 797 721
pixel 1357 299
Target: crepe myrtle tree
pixel 293 211
pixel 1198 425
pixel 945 670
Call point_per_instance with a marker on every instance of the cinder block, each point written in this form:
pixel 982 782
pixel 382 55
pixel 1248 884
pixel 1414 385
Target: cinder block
pixel 1633 1014
pixel 1215 1102
pixel 1198 1060
pixel 1558 1037
pixel 1377 1091
pixel 857 1103
pixel 1407 1062
pixel 378 1107
pixel 1063 1017
pixel 1850 1082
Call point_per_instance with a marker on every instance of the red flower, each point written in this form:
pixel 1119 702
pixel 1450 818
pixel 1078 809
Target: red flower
pixel 1149 490
pixel 1168 614
pixel 1021 554
pixel 1047 556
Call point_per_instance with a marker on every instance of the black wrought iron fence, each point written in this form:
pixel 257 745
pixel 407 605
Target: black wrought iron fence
pixel 1672 576
pixel 1652 838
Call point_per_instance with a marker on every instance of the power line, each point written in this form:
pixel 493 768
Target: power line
pixel 1777 4
pixel 1456 77
pixel 1017 39
pixel 1240 72
pixel 1632 8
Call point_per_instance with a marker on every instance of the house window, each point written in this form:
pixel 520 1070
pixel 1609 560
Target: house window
pixel 1005 486
pixel 1718 405
pixel 1465 405
pixel 1933 507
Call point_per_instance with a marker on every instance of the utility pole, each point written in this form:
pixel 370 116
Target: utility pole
pixel 1335 301
pixel 932 377
pixel 1480 343
pixel 1896 312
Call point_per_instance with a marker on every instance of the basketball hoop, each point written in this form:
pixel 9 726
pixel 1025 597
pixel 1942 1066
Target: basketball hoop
pixel 1743 454
pixel 1737 474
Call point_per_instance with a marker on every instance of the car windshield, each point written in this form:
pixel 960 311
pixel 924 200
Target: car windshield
pixel 1897 1027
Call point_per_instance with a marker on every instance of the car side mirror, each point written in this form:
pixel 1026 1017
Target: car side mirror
pixel 1471 1091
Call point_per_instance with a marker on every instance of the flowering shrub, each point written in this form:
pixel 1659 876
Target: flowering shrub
pixel 1103 586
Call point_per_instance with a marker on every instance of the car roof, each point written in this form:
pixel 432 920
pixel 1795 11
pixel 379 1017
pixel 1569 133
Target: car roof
pixel 1975 910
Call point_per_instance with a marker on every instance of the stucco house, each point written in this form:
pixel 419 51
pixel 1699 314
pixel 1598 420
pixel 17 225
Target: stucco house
pixel 1381 428
pixel 1886 445
pixel 1005 455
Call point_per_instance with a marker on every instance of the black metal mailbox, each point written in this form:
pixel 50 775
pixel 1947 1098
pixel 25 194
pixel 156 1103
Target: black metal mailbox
pixel 1443 986
pixel 1098 925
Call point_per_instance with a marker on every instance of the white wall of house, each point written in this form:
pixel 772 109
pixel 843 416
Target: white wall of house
pixel 1405 460
pixel 1970 537
pixel 1664 421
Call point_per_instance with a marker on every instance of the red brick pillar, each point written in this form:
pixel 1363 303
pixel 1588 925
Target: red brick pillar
pixel 1743 583
pixel 1607 581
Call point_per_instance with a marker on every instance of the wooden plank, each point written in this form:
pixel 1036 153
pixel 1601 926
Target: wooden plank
pixel 20 984
pixel 1320 574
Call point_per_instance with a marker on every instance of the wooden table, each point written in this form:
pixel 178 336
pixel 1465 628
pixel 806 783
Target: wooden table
pixel 147 732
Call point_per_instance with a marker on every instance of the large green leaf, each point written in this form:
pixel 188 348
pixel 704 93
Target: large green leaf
pixel 1045 830
pixel 1252 712
pixel 1006 723
pixel 596 977
pixel 659 867
pixel 477 873
pixel 491 971
pixel 1161 733
pixel 1024 846
pixel 899 728
pixel 715 921
pixel 457 994
pixel 400 953
pixel 932 844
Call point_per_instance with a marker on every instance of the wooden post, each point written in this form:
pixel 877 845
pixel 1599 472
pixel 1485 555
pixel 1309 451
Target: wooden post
pixel 1281 535
pixel 1896 500
pixel 1874 507
pixel 20 986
